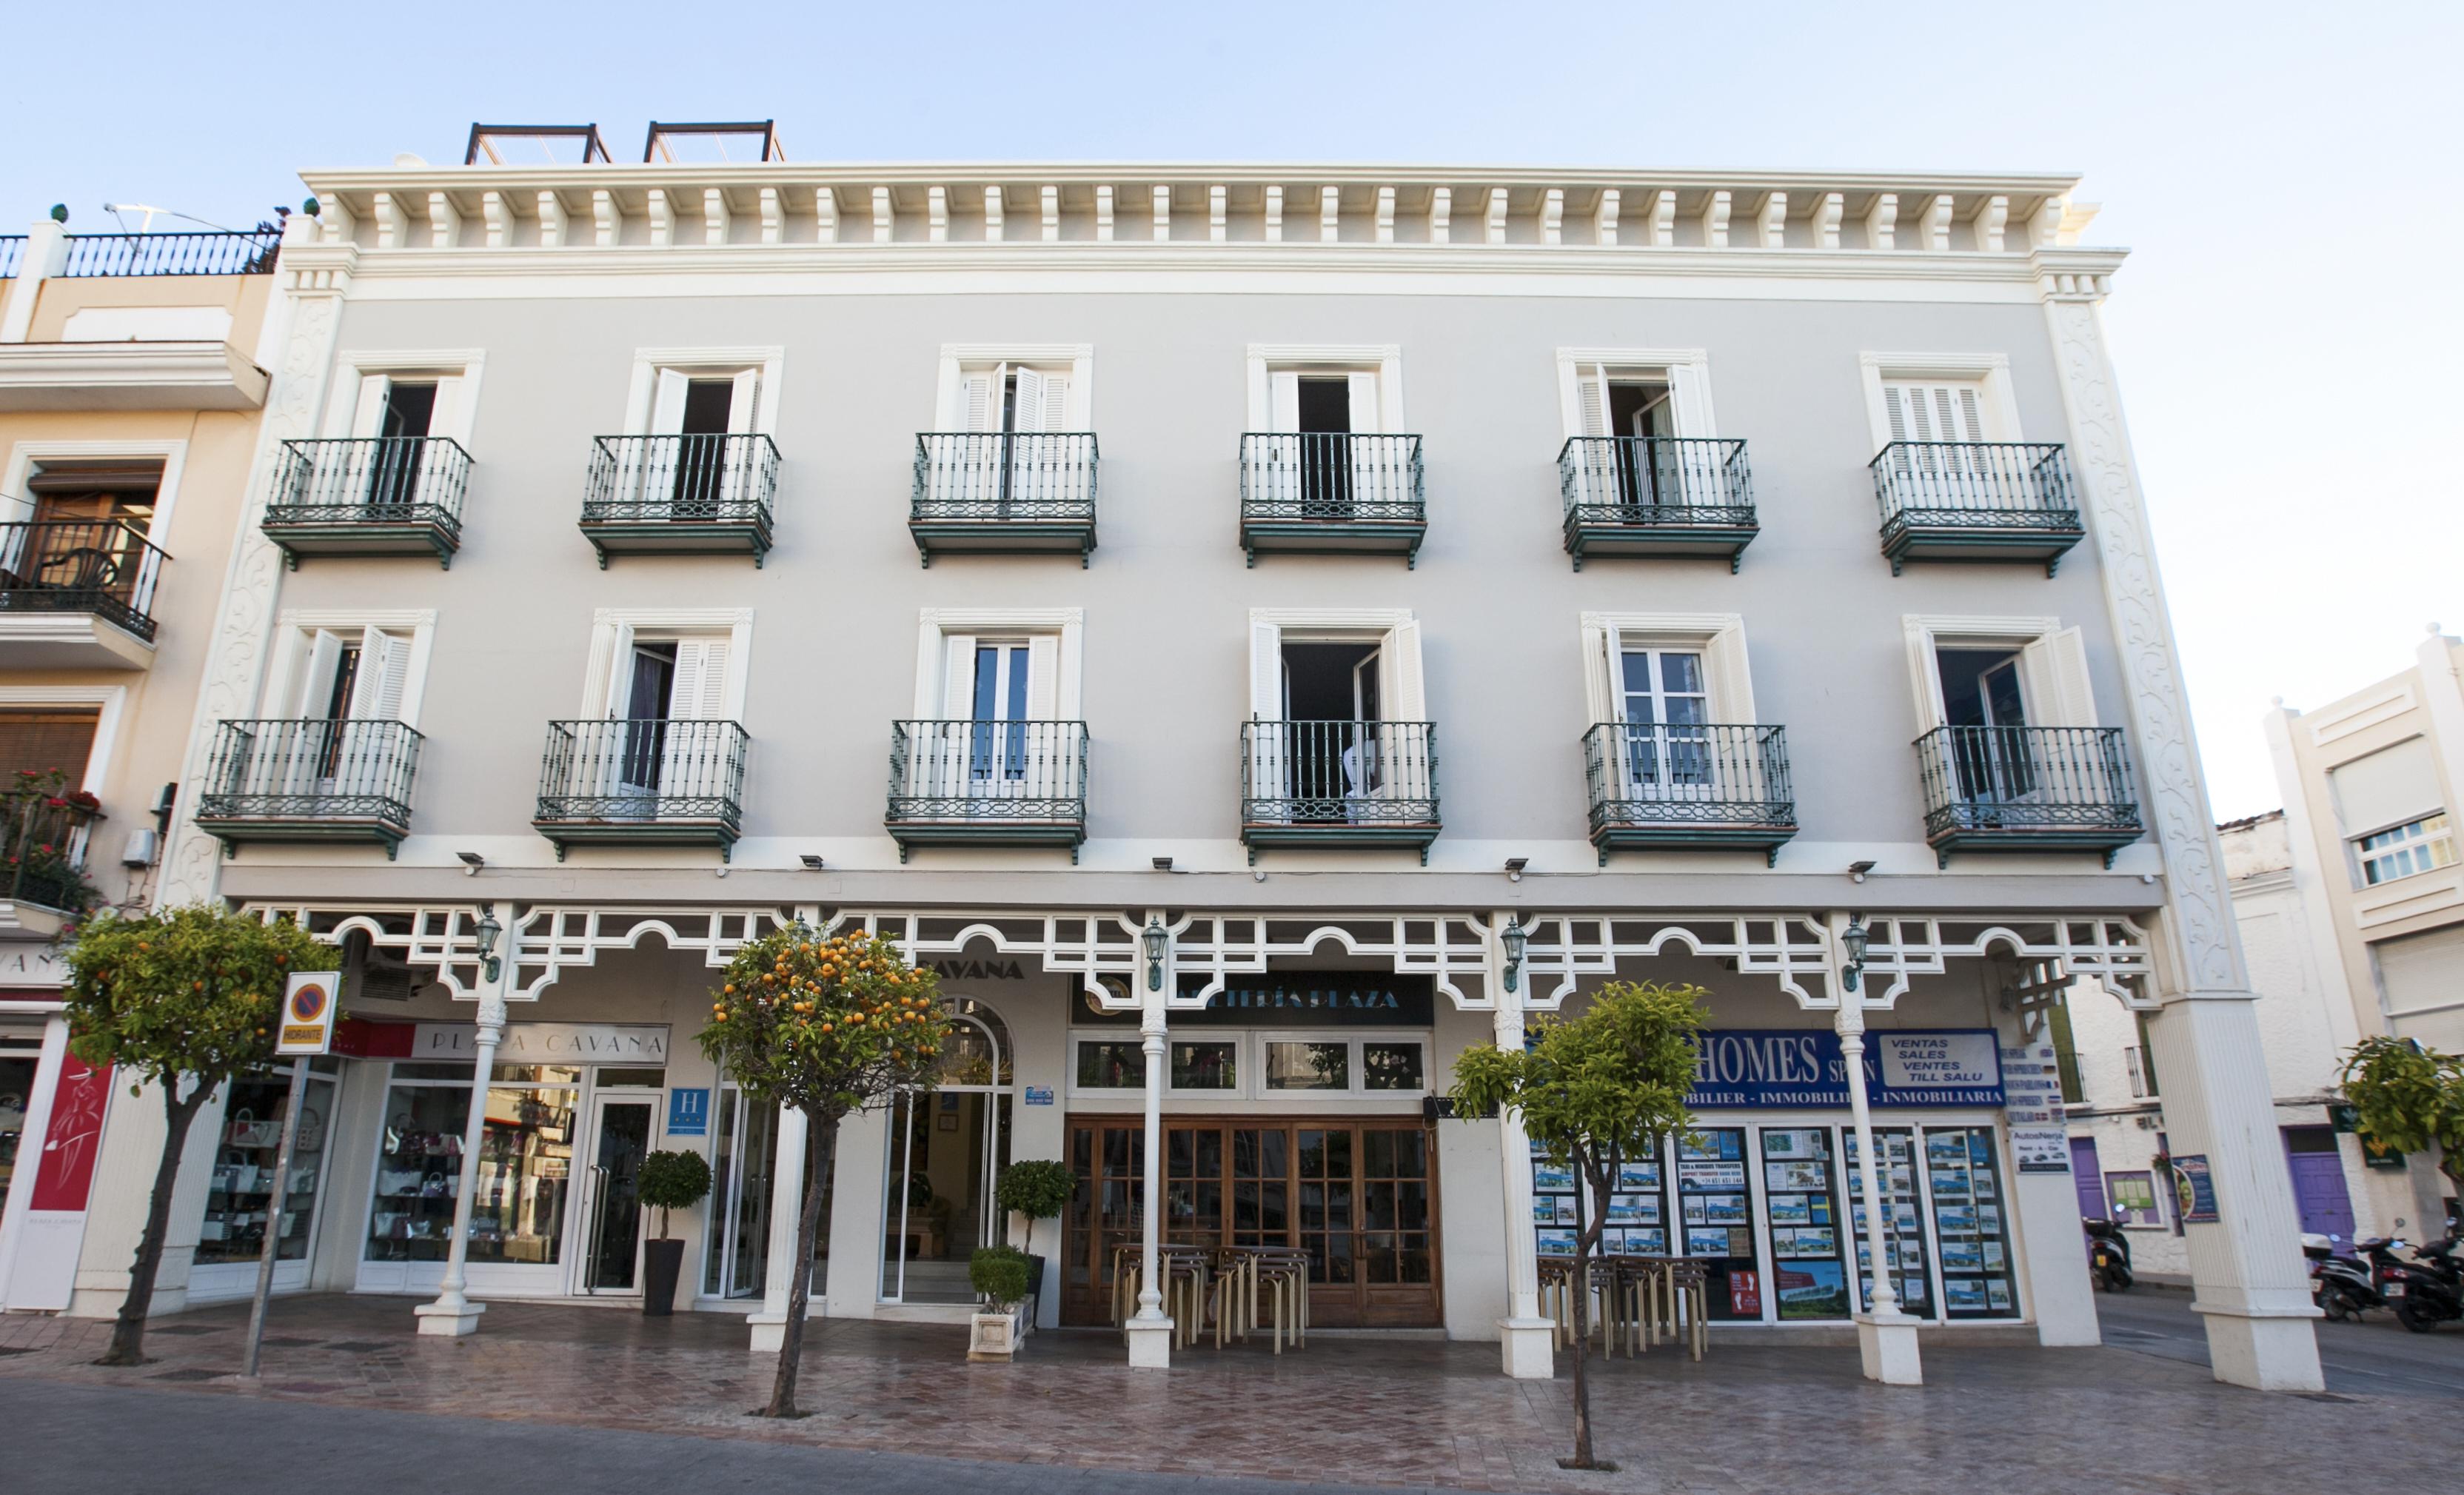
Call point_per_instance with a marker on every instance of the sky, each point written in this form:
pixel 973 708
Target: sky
pixel 2289 179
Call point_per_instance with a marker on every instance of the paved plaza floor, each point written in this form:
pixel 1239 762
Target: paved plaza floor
pixel 351 1395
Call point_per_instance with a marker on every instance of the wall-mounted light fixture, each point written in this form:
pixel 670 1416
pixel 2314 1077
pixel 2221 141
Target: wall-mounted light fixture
pixel 812 863
pixel 1157 941
pixel 487 934
pixel 1162 864
pixel 1856 870
pixel 1854 937
pixel 1514 866
pixel 471 862
pixel 1514 940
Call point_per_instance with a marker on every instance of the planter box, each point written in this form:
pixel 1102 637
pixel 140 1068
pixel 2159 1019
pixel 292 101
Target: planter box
pixel 995 1336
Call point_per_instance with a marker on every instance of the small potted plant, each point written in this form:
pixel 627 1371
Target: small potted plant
pixel 1039 1189
pixel 999 1274
pixel 668 1181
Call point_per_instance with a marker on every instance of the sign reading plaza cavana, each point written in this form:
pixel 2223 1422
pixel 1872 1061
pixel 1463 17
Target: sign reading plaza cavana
pixel 1804 1067
pixel 1297 999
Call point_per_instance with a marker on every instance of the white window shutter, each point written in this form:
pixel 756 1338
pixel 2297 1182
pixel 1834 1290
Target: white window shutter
pixel 978 411
pixel 1364 403
pixel 367 417
pixel 445 419
pixel 1026 402
pixel 384 660
pixel 1265 672
pixel 1056 402
pixel 667 407
pixel 1599 674
pixel 745 403
pixel 314 689
pixel 2054 671
pixel 958 679
pixel 1729 677
pixel 1591 391
pixel 1285 404
pixel 619 692
pixel 1895 401
pixel 1044 677
pixel 1398 673
pixel 699 690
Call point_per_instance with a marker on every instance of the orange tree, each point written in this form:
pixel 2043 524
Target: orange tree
pixel 828 1025
pixel 190 995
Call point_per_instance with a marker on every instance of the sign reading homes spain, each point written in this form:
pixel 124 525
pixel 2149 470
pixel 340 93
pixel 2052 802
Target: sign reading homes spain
pixel 309 1004
pixel 1805 1067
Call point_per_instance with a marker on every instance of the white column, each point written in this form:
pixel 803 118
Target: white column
pixel 787 1209
pixel 46 251
pixel 1150 1332
pixel 1886 1338
pixel 37 1130
pixel 453 1314
pixel 1526 1340
pixel 2250 1279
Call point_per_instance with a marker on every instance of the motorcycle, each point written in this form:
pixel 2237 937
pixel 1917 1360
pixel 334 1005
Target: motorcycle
pixel 2339 1285
pixel 2427 1292
pixel 2108 1255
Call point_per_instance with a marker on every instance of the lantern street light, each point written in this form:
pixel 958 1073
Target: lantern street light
pixel 1854 937
pixel 487 934
pixel 1514 940
pixel 1157 941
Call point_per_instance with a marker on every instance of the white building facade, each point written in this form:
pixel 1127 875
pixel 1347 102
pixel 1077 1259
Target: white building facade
pixel 1214 615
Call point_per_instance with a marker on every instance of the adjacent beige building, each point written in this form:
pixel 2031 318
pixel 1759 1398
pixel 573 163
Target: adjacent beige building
pixel 2371 784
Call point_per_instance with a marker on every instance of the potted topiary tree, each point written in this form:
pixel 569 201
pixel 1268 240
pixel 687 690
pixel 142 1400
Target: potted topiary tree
pixel 668 1181
pixel 999 1274
pixel 1039 1189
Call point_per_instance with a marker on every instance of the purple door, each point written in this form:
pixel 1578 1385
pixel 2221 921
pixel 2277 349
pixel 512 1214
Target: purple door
pixel 2319 1182
pixel 2089 1177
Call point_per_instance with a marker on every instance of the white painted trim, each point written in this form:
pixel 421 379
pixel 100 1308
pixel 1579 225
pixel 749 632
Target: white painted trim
pixel 1990 370
pixel 297 625
pixel 648 361
pixel 954 356
pixel 1385 357
pixel 599 675
pixel 173 449
pixel 1331 618
pixel 935 624
pixel 1926 632
pixel 464 363
pixel 1689 378
pixel 2373 709
pixel 1728 674
pixel 110 703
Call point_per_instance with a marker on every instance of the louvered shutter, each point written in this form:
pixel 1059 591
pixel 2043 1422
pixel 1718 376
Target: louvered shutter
pixel 699 690
pixel 1595 459
pixel 384 670
pixel 1026 400
pixel 2055 668
pixel 1279 478
pixel 977 411
pixel 1378 475
pixel 969 471
pixel 1404 769
pixel 695 756
pixel 942 760
pixel 1026 446
pixel 1267 710
pixel 367 417
pixel 1056 402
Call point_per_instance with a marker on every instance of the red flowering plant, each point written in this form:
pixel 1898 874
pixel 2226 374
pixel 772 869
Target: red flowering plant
pixel 40 817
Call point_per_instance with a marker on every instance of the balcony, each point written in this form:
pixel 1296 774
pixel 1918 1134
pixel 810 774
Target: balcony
pixel 77 594
pixel 680 496
pixel 223 252
pixel 1339 784
pixel 1975 500
pixel 1688 787
pixel 2027 789
pixel 1004 493
pixel 1018 783
pixel 44 826
pixel 1331 493
pixel 383 495
pixel 310 780
pixel 648 782
pixel 1656 496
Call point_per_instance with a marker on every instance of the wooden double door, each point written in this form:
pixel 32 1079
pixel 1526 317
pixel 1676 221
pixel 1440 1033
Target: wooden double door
pixel 1360 1196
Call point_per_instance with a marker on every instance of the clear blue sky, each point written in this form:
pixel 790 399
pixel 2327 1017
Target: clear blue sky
pixel 2289 178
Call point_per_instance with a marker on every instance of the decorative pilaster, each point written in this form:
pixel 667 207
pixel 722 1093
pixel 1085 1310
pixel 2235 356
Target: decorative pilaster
pixel 2251 1280
pixel 1527 1341
pixel 316 279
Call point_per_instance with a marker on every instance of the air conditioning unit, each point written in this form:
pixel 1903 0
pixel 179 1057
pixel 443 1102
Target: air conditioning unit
pixel 140 848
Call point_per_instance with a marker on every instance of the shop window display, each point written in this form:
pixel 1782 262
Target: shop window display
pixel 1903 1237
pixel 1801 1203
pixel 239 1194
pixel 1638 1215
pixel 1716 1219
pixel 1972 1223
pixel 16 1091
pixel 526 1165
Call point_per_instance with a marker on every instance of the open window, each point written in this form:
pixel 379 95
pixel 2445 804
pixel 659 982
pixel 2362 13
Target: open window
pixel 1338 718
pixel 1677 698
pixel 342 700
pixel 1316 413
pixel 702 410
pixel 398 415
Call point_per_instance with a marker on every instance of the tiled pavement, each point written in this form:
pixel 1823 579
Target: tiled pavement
pixel 1387 1411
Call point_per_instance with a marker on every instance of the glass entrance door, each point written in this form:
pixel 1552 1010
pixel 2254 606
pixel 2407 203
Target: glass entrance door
pixel 620 1139
pixel 947 1146
pixel 738 1241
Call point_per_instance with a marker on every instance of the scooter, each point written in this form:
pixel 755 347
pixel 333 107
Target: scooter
pixel 2108 1255
pixel 2339 1285
pixel 2429 1291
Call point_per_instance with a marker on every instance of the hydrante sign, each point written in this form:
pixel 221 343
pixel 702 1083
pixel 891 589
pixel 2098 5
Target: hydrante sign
pixel 1804 1067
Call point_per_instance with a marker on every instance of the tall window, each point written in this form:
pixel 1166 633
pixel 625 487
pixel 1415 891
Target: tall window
pixel 1664 705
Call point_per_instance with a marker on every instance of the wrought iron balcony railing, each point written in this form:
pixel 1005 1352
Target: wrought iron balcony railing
pixel 1022 782
pixel 1331 492
pixel 1689 785
pixel 1656 496
pixel 1338 783
pixel 2026 788
pixel 640 780
pixel 681 494
pixel 1975 500
pixel 106 567
pixel 1003 492
pixel 13 252
pixel 370 495
pixel 218 252
pixel 310 780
